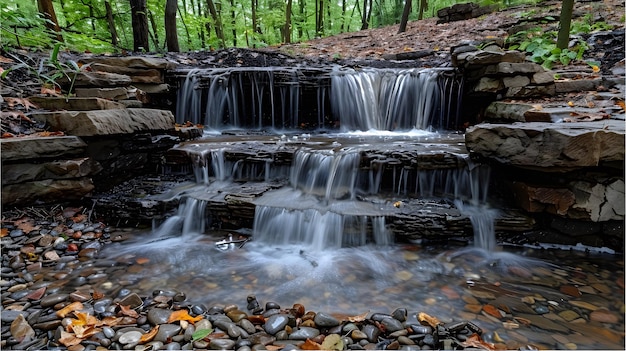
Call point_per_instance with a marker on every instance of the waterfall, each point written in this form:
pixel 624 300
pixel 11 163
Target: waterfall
pixel 316 211
pixel 384 99
pixel 288 98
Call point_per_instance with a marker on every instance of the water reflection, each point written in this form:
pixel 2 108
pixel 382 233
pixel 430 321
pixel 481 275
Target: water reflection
pixel 526 286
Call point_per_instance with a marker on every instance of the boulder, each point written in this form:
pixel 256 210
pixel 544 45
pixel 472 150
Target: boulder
pixel 131 61
pixel 116 93
pixel 551 147
pixel 18 149
pixel 507 111
pixel 137 75
pixel 46 191
pixel 63 169
pixel 74 103
pixel 107 122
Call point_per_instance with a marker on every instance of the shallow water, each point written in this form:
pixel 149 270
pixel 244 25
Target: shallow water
pixel 530 289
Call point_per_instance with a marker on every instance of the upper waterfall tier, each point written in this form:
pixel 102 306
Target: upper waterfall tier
pixel 335 98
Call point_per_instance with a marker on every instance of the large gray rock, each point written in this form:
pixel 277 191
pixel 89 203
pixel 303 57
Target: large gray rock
pixel 131 61
pixel 107 122
pixel 46 191
pixel 13 149
pixel 551 147
pixel 74 103
pixel 64 169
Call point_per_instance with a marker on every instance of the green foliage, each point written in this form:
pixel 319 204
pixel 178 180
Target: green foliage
pixel 587 25
pixel 200 334
pixel 49 70
pixel 541 46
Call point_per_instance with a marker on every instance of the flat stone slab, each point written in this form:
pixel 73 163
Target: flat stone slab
pixel 46 191
pixel 551 147
pixel 63 169
pixel 75 103
pixel 107 122
pixel 132 62
pixel 14 149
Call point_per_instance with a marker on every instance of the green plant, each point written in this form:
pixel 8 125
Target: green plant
pixel 49 71
pixel 587 25
pixel 542 47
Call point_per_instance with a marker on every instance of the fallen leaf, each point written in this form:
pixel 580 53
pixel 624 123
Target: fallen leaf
pixel 570 103
pixel 142 260
pixel 51 92
pixel 25 224
pixel 97 295
pixel 74 306
pixel 425 319
pixel 310 345
pixel 273 347
pixel 475 341
pixel 201 334
pixel 621 104
pixel 147 337
pixel 85 331
pixel 4 232
pixel 332 342
pixel 111 321
pixel 359 318
pixel 183 315
pixel 84 319
pixel 12 102
pixel 69 339
pixel 127 311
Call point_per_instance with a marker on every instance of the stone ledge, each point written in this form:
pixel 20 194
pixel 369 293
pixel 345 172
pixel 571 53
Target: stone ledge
pixel 551 147
pixel 74 103
pixel 46 191
pixel 19 149
pixel 107 122
pixel 64 169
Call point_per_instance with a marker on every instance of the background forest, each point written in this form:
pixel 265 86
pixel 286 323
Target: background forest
pixel 190 25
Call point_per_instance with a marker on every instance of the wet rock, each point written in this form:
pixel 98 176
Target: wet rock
pixel 53 299
pixel 275 323
pixel 604 316
pixel 158 316
pixel 167 331
pixel 324 320
pixel 221 344
pixel 304 333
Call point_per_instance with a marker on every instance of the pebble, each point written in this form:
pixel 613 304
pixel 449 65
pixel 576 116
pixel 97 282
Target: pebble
pixel 325 320
pixel 304 333
pixel 276 323
pixel 167 331
pixel 158 316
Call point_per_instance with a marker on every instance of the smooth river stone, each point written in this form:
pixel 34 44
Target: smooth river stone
pixel 604 316
pixel 325 320
pixel 52 300
pixel 276 323
pixel 392 324
pixel 304 333
pixel 131 337
pixel 158 316
pixel 167 331
pixel 221 344
pixel 568 315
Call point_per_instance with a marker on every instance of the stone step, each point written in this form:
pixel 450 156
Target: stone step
pixel 74 103
pixel 62 169
pixel 27 148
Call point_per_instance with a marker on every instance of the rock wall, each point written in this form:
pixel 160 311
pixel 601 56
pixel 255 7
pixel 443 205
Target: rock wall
pixel 556 145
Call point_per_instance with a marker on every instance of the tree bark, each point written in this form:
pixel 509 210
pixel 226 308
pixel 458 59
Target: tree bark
pixel 140 25
pixel 405 16
pixel 171 35
pixel 423 7
pixel 233 21
pixel 217 23
pixel 287 30
pixel 565 22
pixel 47 11
pixel 111 22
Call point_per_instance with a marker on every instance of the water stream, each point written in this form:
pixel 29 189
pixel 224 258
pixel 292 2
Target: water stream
pixel 322 232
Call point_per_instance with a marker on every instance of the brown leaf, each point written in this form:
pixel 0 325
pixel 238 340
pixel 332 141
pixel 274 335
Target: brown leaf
pixel 359 318
pixel 475 341
pixel 12 102
pixel 111 321
pixel 147 337
pixel 97 295
pixel 310 345
pixel 273 347
pixel 74 306
pixel 425 319
pixel 85 331
pixel 26 225
pixel 127 311
pixel 37 294
pixel 69 339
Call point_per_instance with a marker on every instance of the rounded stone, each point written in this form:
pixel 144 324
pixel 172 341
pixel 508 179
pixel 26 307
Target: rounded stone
pixel 275 323
pixel 52 300
pixel 158 316
pixel 392 325
pixel 304 333
pixel 131 337
pixel 325 320
pixel 221 344
pixel 167 331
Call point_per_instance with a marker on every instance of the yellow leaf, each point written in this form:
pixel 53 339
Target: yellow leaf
pixel 84 332
pixel 183 315
pixel 595 68
pixel 570 103
pixel 425 319
pixel 85 319
pixel 4 232
pixel 147 337
pixel 74 306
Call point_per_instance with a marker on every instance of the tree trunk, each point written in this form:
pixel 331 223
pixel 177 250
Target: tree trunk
pixel 171 35
pixel 217 22
pixel 233 21
pixel 364 21
pixel 405 16
pixel 564 24
pixel 423 7
pixel 140 25
pixel 287 30
pixel 111 22
pixel 47 11
pixel 155 31
pixel 319 18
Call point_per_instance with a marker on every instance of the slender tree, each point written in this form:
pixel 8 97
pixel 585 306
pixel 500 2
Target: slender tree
pixel 233 21
pixel 287 30
pixel 171 36
pixel 217 23
pixel 140 25
pixel 47 12
pixel 565 22
pixel 111 23
pixel 405 16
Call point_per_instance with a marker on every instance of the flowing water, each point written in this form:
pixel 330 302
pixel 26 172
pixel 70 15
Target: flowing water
pixel 320 233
